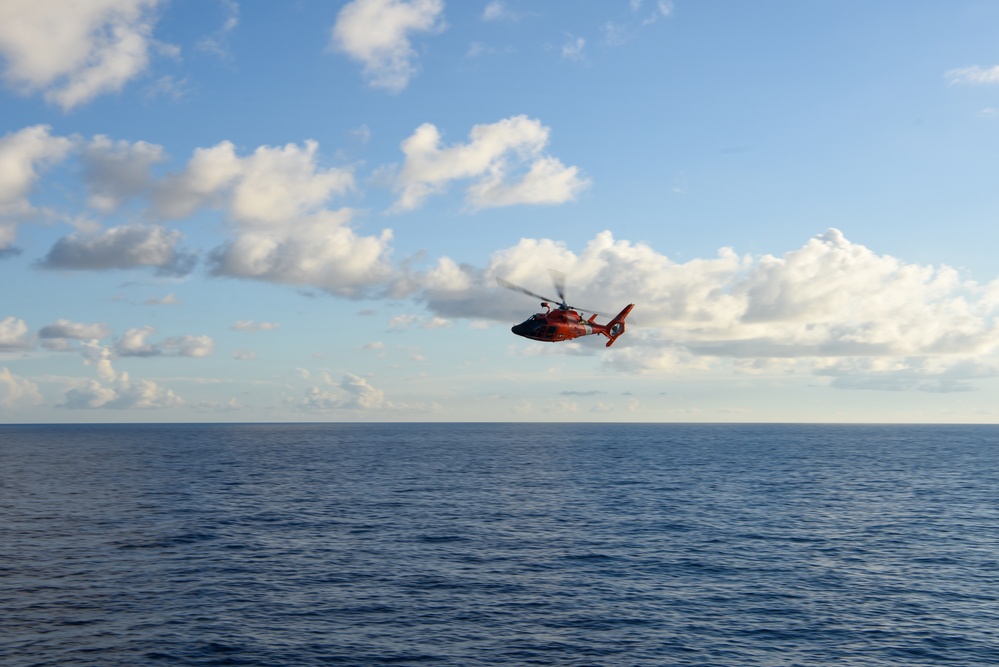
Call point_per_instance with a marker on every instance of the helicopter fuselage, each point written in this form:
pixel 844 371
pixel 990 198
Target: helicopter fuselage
pixel 561 324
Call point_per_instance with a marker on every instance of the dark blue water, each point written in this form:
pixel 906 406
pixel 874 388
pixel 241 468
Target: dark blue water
pixel 499 544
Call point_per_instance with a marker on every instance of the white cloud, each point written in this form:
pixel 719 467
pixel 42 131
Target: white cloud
pixel 22 153
pixel 133 343
pixel 117 170
pixel 250 325
pixel 116 390
pixel 126 395
pixel 377 33
pixel 830 299
pixel 74 330
pixel 494 155
pixel 438 323
pixel 167 86
pixel 973 75
pixel 203 183
pixel 74 51
pixel 930 374
pixel 573 49
pixel 244 355
pixel 14 335
pixel 16 391
pixel 282 231
pixel 663 9
pixel 125 247
pixel 197 347
pixel 402 322
pixel 496 10
pixel 218 42
pixel 354 394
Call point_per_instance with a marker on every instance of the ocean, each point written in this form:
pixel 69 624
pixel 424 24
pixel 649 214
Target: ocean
pixel 499 544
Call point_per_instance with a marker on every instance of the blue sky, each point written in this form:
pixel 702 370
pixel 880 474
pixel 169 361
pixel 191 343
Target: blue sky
pixel 256 211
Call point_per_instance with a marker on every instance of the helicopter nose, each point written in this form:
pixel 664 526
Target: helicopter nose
pixel 519 329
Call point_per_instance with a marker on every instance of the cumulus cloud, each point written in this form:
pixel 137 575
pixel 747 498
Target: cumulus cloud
pixel 125 247
pixel 115 390
pixel 830 299
pixel 16 391
pixel 972 76
pixel 282 231
pixel 63 329
pixel 74 51
pixel 117 170
pixel 22 155
pixel 354 394
pixel 377 33
pixel 14 335
pixel 494 160
pixel 134 343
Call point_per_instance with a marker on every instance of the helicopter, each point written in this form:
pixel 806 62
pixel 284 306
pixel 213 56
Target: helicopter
pixel 564 322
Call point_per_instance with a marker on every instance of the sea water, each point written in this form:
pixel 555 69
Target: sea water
pixel 499 544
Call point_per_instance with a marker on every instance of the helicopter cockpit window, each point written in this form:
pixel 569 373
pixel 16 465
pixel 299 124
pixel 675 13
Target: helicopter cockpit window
pixel 533 325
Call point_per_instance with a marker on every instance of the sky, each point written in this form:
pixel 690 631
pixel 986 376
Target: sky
pixel 222 210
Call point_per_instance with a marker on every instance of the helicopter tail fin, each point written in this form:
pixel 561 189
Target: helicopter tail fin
pixel 616 326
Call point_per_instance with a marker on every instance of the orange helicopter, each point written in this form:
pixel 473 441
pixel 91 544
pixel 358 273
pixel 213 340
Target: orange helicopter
pixel 564 323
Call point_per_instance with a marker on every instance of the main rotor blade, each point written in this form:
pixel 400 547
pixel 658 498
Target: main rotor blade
pixel 558 279
pixel 518 288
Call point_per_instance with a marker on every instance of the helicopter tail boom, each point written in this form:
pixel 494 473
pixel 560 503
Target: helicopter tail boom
pixel 616 326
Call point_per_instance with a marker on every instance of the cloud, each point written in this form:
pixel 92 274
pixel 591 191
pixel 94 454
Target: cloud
pixel 125 395
pixel 377 33
pixel 115 390
pixel 573 49
pixel 133 343
pixel 496 10
pixel 218 42
pixel 74 51
pixel 125 247
pixel 972 76
pixel 14 335
pixel 618 34
pixel 829 299
pixel 354 394
pixel 22 154
pixel 117 170
pixel 16 391
pixel 168 300
pixel 495 155
pixel 663 9
pixel 929 374
pixel 74 330
pixel 282 232
pixel 250 325
pixel 190 346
